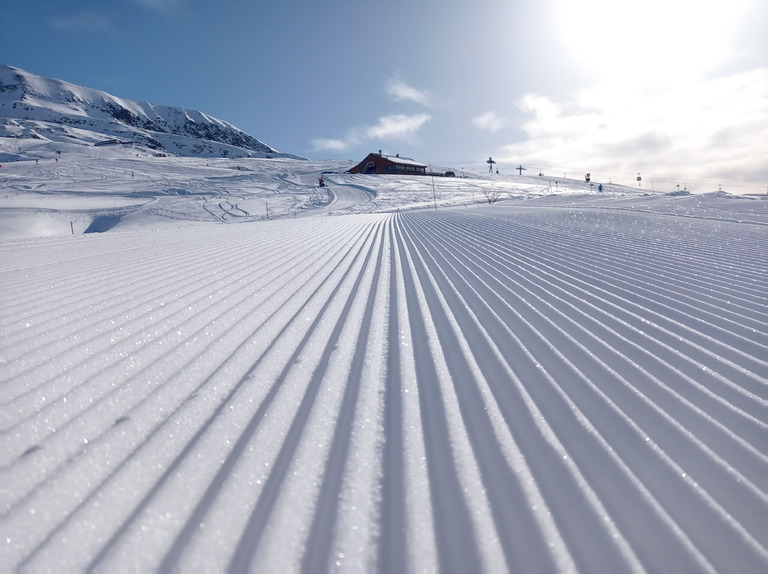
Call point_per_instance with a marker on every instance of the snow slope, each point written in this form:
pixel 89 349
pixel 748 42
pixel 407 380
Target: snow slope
pixel 548 383
pixel 66 195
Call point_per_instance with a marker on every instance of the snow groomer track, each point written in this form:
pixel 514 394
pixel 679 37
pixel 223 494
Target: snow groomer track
pixel 534 388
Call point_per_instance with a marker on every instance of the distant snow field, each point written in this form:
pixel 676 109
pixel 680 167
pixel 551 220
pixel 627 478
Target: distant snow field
pixel 237 369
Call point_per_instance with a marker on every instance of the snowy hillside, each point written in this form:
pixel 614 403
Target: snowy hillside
pixel 96 189
pixel 559 380
pixel 46 116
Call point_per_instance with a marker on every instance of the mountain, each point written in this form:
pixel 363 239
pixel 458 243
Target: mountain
pixel 46 116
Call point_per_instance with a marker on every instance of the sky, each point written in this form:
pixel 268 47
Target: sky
pixel 672 91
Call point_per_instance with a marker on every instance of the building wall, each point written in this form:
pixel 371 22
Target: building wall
pixel 381 164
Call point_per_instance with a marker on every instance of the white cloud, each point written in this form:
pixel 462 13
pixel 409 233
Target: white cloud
pixel 397 126
pixel 327 144
pixel 489 121
pixel 401 91
pixel 83 21
pixel 714 129
pixel 388 128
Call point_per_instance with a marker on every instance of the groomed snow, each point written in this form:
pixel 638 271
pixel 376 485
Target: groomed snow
pixel 558 381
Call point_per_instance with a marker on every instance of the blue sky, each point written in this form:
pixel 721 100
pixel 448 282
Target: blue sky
pixel 674 89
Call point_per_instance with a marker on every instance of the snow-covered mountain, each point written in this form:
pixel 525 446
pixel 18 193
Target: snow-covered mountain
pixel 46 116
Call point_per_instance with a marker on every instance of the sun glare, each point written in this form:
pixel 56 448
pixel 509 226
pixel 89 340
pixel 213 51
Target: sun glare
pixel 654 40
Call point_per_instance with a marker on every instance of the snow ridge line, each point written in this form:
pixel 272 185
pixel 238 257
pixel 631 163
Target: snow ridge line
pixel 180 306
pixel 577 293
pixel 454 390
pixel 680 276
pixel 667 259
pixel 315 269
pixel 93 398
pixel 433 232
pixel 666 307
pixel 721 462
pixel 556 492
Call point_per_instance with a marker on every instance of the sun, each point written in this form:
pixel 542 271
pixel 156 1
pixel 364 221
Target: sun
pixel 659 41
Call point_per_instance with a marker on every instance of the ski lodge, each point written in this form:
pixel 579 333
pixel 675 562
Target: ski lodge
pixel 389 164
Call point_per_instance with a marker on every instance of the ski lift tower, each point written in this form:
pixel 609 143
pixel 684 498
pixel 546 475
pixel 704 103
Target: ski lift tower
pixel 490 163
pixel 520 169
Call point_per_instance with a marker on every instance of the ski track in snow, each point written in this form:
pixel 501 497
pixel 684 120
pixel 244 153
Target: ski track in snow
pixel 538 387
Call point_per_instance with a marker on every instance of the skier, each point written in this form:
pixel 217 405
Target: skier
pixel 320 182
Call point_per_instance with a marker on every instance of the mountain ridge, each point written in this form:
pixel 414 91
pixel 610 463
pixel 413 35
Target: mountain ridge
pixel 54 113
